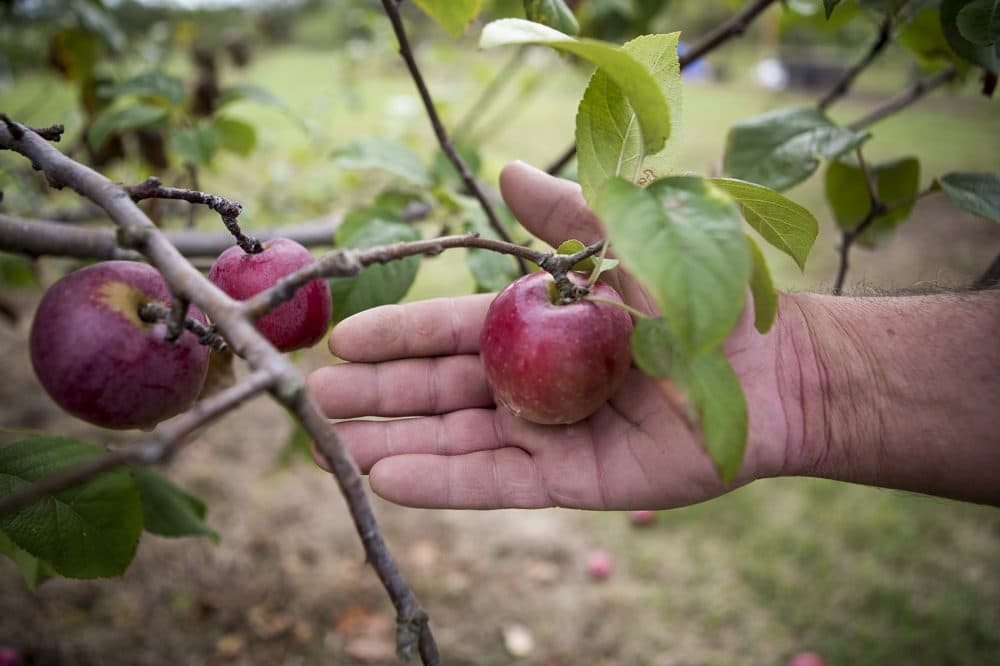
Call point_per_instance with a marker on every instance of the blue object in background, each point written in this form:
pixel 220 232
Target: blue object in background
pixel 699 70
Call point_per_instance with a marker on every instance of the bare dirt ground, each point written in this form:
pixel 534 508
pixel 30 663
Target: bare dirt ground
pixel 288 585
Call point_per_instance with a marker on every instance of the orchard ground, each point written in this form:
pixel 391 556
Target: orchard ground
pixel 859 575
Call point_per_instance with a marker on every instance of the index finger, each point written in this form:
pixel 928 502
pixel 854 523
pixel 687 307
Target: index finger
pixel 436 327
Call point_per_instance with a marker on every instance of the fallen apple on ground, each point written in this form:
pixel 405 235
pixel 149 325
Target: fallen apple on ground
pixel 295 324
pixel 101 362
pixel 550 363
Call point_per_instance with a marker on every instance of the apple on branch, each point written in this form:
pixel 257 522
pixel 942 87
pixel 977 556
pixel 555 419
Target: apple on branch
pixel 101 362
pixel 295 324
pixel 553 363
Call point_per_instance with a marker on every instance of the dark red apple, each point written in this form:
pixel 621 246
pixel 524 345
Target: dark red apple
pixel 101 362
pixel 295 324
pixel 551 363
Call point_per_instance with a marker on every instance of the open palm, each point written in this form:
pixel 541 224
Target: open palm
pixel 460 450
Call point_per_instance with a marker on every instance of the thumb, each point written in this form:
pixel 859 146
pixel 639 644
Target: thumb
pixel 551 208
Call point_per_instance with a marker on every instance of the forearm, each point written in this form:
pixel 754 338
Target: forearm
pixel 900 392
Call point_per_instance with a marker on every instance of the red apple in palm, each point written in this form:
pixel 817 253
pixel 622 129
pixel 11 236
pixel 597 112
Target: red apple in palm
pixel 551 363
pixel 295 324
pixel 101 362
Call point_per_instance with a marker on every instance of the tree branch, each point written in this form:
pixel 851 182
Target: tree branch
pixel 734 27
pixel 843 86
pixel 227 209
pixel 37 238
pixel 345 263
pixel 287 383
pixel 168 439
pixel 439 131
pixel 905 98
pixel 875 209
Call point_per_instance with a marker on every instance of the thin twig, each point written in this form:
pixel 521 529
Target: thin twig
pixel 168 439
pixel 875 209
pixel 905 98
pixel 502 78
pixel 439 131
pixel 227 209
pixel 843 86
pixel 735 26
pixel 206 335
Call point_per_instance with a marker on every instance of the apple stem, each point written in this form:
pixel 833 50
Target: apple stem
pixel 178 314
pixel 628 308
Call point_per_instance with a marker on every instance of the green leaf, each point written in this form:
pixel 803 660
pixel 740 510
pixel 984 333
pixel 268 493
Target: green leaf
pixel 708 382
pixel 34 570
pixel 573 246
pixel 169 510
pixel 452 15
pixel 897 184
pixel 248 92
pixel 782 148
pixel 157 86
pixel 196 146
pixel 388 205
pixel 683 238
pixel 639 86
pixel 722 410
pixel 924 37
pixel 829 6
pixel 553 13
pixel 443 172
pixel 979 22
pixel 765 297
pixel 983 55
pixel 607 130
pixel 386 154
pixel 234 135
pixel 88 531
pixel 298 446
pixel 16 271
pixel 977 193
pixel 378 284
pixel 780 221
pixel 117 120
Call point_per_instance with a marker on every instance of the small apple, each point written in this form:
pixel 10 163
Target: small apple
pixel 641 517
pixel 551 363
pixel 599 564
pixel 10 657
pixel 101 362
pixel 806 659
pixel 295 324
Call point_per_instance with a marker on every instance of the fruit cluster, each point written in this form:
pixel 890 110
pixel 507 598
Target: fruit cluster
pixel 101 361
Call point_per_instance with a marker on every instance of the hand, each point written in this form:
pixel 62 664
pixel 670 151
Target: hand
pixel 462 451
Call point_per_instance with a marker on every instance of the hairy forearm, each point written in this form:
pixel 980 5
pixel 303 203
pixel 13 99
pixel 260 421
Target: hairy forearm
pixel 900 392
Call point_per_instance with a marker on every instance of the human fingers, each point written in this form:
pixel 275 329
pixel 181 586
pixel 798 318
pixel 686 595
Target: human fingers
pixel 435 327
pixel 455 433
pixel 494 479
pixel 551 208
pixel 407 387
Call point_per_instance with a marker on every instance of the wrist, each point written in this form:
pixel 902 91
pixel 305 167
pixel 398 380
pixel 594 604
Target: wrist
pixel 831 390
